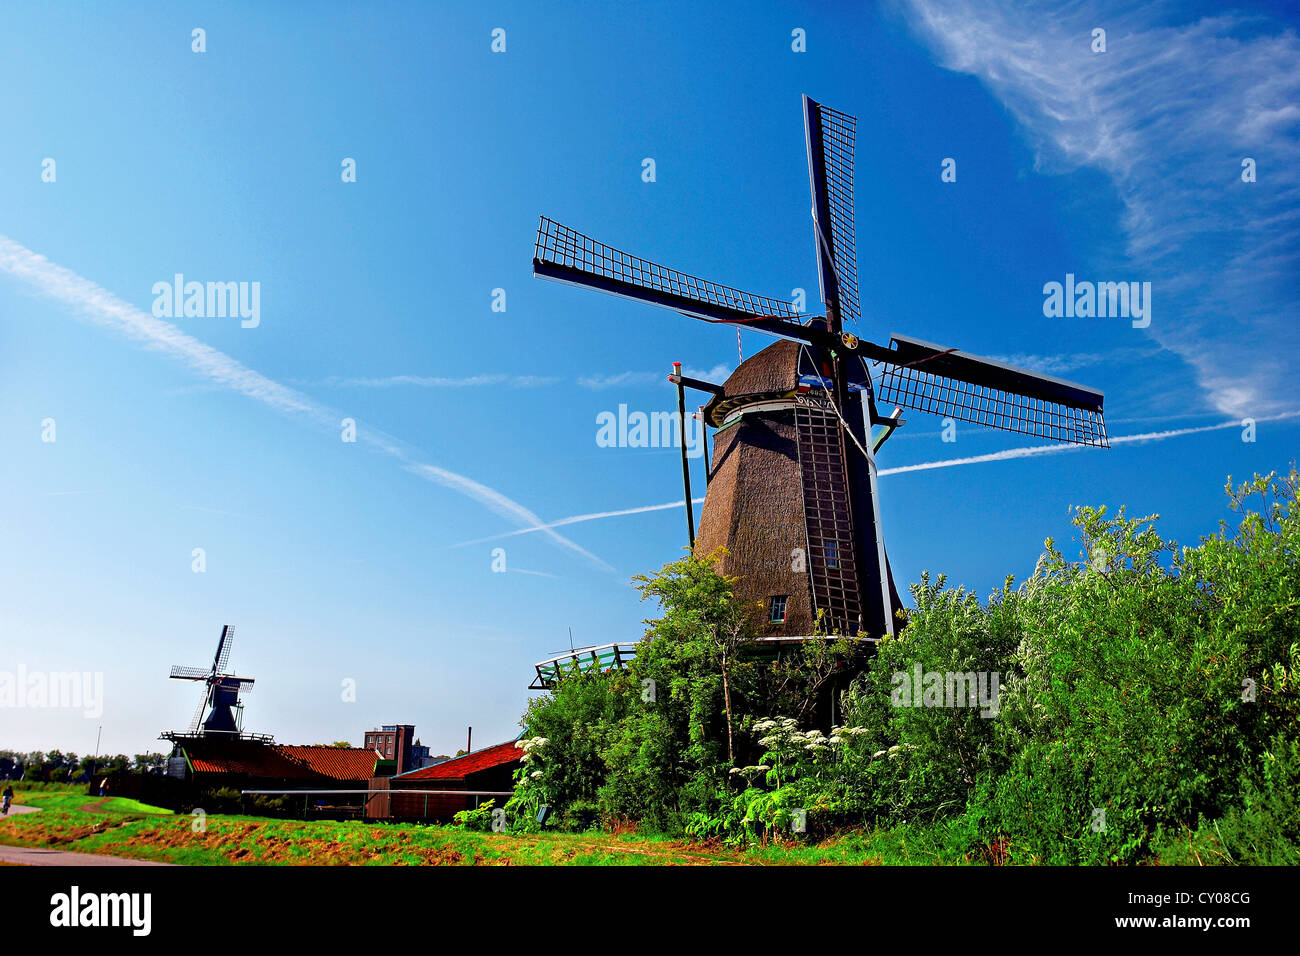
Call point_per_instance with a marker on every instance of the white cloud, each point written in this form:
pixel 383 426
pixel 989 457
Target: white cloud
pixel 1168 112
pixel 108 311
pixel 717 375
pixel 433 381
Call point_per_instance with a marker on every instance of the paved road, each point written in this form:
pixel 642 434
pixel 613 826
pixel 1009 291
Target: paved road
pixel 40 856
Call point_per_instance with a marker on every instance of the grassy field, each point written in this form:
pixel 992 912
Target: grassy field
pixel 71 820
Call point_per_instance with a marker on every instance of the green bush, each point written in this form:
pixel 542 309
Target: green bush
pixel 479 819
pixel 1147 705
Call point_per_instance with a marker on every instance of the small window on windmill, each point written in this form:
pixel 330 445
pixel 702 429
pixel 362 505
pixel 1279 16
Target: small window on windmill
pixel 832 554
pixel 776 609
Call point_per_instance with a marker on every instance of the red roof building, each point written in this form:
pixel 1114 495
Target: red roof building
pixel 470 764
pixel 246 763
pixel 486 774
pixel 337 763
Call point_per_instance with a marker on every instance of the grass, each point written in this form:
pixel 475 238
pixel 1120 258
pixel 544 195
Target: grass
pixel 71 820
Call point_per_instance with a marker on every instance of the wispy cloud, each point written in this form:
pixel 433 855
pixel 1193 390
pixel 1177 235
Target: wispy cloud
pixel 1010 454
pixel 628 379
pixel 1065 362
pixel 434 381
pixel 578 519
pixel 623 379
pixel 108 311
pixel 1168 112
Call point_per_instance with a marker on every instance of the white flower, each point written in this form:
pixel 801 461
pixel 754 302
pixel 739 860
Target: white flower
pixel 535 774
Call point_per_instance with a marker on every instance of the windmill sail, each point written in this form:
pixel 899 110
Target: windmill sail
pixel 930 378
pixel 223 649
pixel 198 713
pixel 831 139
pixel 189 673
pixel 565 255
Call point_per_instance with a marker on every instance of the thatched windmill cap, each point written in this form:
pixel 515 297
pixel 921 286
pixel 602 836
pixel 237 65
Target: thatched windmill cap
pixel 769 375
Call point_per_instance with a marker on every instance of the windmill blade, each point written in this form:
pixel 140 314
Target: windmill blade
pixel 245 687
pixel 831 137
pixel 198 714
pixel 930 378
pixel 223 649
pixel 188 673
pixel 565 255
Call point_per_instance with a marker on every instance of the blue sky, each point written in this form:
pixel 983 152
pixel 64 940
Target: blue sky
pixel 340 561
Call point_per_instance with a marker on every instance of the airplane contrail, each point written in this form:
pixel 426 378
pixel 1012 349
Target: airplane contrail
pixel 107 310
pixel 575 519
pixel 1009 454
pixel 1036 450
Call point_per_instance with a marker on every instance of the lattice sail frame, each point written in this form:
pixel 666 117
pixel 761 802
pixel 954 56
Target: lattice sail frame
pixel 836 135
pixel 984 392
pixel 564 254
pixel 224 646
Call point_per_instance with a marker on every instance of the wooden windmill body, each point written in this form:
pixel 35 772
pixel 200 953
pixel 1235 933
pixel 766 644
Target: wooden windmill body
pixel 792 490
pixel 780 501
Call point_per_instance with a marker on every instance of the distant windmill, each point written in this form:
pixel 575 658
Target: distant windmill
pixel 792 484
pixel 222 692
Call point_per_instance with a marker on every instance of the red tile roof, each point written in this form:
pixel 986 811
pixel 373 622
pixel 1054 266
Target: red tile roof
pixel 280 761
pixel 241 758
pixel 337 763
pixel 461 767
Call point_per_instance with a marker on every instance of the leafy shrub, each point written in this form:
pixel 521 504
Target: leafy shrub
pixel 1147 704
pixel 479 819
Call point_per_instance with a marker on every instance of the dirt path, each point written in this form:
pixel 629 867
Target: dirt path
pixel 39 856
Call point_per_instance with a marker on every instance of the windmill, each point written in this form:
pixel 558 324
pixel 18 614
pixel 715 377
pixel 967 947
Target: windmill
pixel 792 481
pixel 222 692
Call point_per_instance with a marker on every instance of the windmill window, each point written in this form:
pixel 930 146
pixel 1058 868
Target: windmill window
pixel 832 554
pixel 776 609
